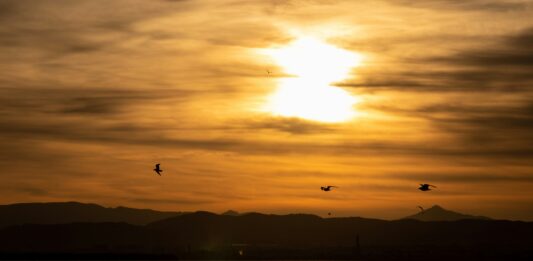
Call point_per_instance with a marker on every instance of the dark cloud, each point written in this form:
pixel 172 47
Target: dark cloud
pixel 34 191
pixel 49 41
pixel 387 82
pixel 289 125
pixel 83 131
pixel 16 152
pixel 94 116
pixel 7 9
pixel 515 51
pixel 508 65
pixel 87 101
pixel 474 80
pixel 93 105
pixel 182 201
pixel 69 27
pixel 507 127
pixel 503 65
pixel 462 177
pixel 458 176
pixel 473 5
pixel 30 116
pixel 25 190
pixel 513 130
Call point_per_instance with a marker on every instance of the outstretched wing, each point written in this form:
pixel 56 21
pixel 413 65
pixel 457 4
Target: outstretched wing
pixel 432 186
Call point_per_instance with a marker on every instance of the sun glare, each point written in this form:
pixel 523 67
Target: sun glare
pixel 313 66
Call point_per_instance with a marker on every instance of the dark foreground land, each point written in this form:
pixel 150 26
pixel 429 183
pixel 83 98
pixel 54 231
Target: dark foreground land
pixel 203 235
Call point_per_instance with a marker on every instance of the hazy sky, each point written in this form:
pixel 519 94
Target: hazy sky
pixel 376 97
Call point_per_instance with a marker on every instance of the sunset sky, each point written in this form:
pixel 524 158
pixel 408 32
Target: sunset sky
pixel 253 105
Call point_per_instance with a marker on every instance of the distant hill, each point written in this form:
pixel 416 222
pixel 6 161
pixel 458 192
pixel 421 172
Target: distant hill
pixel 231 213
pixel 205 235
pixel 437 213
pixel 70 212
pixel 254 228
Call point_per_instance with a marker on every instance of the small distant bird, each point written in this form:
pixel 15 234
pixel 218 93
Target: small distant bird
pixel 328 188
pixel 421 209
pixel 329 213
pixel 425 187
pixel 268 72
pixel 157 169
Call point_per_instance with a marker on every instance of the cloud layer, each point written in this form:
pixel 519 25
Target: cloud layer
pixel 93 93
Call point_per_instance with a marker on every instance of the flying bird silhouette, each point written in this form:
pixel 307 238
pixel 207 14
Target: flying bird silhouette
pixel 327 188
pixel 421 209
pixel 268 72
pixel 157 169
pixel 425 187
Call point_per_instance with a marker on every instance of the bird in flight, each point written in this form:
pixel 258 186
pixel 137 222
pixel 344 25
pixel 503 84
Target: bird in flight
pixel 425 187
pixel 327 188
pixel 268 72
pixel 157 169
pixel 421 209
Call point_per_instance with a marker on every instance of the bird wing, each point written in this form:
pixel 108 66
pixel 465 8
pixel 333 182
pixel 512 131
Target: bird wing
pixel 432 186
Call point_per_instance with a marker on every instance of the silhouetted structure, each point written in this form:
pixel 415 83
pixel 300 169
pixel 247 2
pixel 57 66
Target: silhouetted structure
pixel 357 246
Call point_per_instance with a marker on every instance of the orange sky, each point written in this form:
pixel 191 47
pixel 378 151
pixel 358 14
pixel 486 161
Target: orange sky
pixel 93 93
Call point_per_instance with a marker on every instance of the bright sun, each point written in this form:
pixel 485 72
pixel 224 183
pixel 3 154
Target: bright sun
pixel 308 94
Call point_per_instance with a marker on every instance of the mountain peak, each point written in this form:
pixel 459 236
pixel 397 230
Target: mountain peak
pixel 438 213
pixel 230 213
pixel 437 207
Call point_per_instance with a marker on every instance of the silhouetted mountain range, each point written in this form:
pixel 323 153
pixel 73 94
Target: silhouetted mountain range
pixel 70 212
pixel 203 235
pixel 437 213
